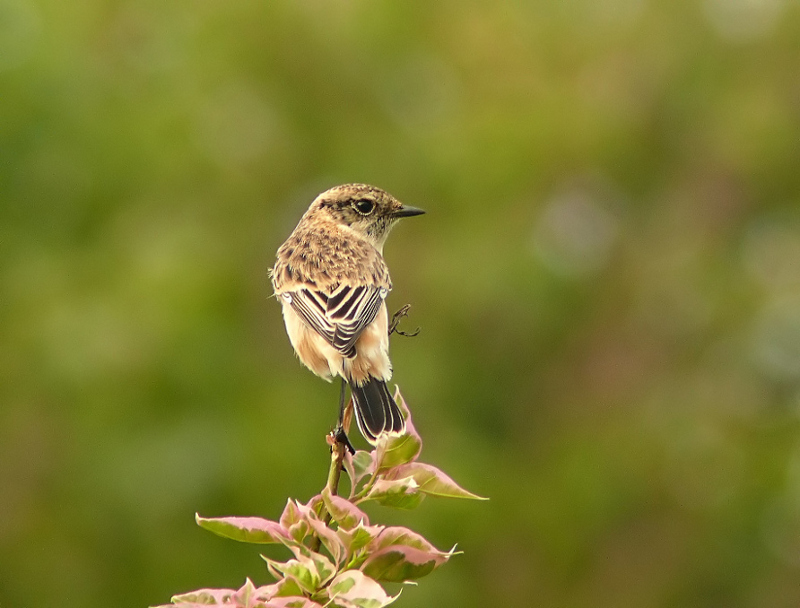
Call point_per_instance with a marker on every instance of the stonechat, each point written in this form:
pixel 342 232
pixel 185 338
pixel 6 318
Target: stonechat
pixel 332 281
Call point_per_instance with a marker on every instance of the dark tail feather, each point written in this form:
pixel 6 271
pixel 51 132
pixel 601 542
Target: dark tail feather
pixel 376 411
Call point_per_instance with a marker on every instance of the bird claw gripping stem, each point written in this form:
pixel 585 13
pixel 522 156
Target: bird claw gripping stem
pixel 396 317
pixel 340 436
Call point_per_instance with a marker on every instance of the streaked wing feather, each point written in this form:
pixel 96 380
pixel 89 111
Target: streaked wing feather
pixel 306 305
pixel 340 316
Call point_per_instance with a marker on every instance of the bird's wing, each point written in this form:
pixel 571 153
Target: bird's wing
pixel 339 316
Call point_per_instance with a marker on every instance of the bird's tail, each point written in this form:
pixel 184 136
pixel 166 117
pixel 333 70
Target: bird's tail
pixel 376 411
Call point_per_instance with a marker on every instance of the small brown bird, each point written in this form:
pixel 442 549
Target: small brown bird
pixel 332 282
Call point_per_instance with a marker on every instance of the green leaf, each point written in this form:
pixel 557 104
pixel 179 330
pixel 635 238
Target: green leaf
pixel 358 467
pixel 330 540
pixel 291 514
pixel 343 512
pixel 246 595
pixel 293 602
pixel 358 537
pixel 410 429
pixel 398 535
pixel 354 588
pixel 394 451
pixel 245 529
pixel 325 569
pixel 285 587
pixel 310 571
pixel 399 493
pixel 205 597
pixel 362 463
pixel 303 573
pixel 315 505
pixel 431 481
pixel 400 554
pixel 398 563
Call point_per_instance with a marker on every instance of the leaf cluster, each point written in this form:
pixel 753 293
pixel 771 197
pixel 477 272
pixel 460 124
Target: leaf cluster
pixel 338 557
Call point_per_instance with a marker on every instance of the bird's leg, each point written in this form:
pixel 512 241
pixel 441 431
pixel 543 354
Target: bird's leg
pixel 403 312
pixel 341 437
pixel 341 402
pixel 339 434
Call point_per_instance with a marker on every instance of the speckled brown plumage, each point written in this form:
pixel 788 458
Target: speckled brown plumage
pixel 332 280
pixel 322 254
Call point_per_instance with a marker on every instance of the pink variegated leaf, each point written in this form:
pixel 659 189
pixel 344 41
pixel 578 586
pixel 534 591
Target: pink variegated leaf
pixel 353 588
pixel 398 535
pixel 279 576
pixel 364 603
pixel 431 480
pixel 266 592
pixel 298 531
pixel 314 506
pixel 330 540
pixel 310 572
pixel 305 576
pixel 276 596
pixel 285 587
pixel 203 597
pixel 359 467
pixel 401 402
pixel 343 512
pixel 251 597
pixel 294 520
pixel 310 509
pixel 399 563
pixel 292 602
pixel 358 537
pixel 245 529
pixel 394 451
pixel 291 514
pixel 325 569
pixel 347 465
pixel 188 605
pixel 398 493
pixel 246 596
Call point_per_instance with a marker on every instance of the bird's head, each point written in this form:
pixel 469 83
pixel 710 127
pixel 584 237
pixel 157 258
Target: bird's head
pixel 369 211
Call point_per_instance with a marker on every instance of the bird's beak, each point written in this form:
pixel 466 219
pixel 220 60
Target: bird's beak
pixel 406 211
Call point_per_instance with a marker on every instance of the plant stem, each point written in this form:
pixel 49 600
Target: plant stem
pixel 334 474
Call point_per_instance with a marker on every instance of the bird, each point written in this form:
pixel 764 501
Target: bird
pixel 332 281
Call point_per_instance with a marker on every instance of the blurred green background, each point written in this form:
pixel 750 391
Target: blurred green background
pixel 607 281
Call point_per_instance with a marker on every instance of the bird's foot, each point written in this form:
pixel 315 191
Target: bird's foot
pixel 396 317
pixel 339 436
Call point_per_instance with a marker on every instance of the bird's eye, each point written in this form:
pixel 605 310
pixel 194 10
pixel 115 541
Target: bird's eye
pixel 364 206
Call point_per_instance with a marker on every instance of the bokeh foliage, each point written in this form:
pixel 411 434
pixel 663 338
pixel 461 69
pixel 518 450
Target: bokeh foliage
pixel 608 284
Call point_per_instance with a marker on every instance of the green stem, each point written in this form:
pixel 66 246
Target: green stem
pixel 334 474
pixel 365 488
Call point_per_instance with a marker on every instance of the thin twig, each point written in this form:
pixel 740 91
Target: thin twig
pixel 335 472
